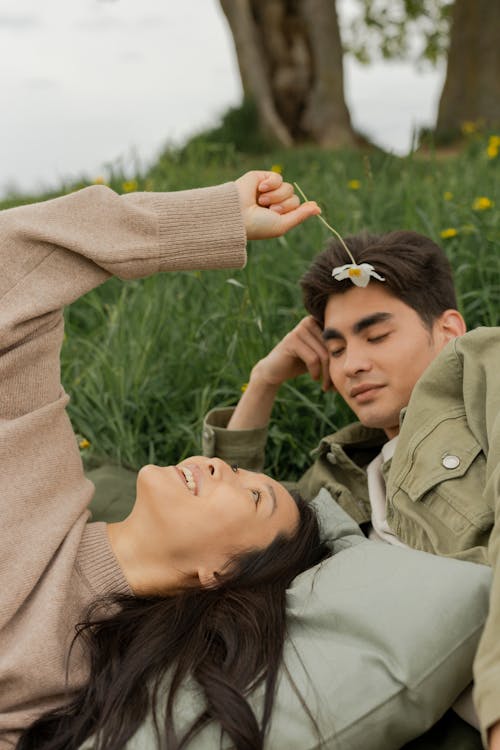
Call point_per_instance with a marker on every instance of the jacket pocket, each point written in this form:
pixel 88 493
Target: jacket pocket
pixel 446 473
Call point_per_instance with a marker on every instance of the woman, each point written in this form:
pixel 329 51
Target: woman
pixel 182 572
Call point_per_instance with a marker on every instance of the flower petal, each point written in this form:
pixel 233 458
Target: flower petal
pixel 362 280
pixel 339 275
pixel 359 274
pixel 338 269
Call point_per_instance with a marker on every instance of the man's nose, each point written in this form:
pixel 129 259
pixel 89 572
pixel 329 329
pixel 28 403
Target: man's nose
pixel 356 361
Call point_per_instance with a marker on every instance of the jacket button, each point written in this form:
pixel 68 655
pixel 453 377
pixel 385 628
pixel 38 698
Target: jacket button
pixel 451 462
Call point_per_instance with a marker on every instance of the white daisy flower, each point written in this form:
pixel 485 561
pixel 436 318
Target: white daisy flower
pixel 359 274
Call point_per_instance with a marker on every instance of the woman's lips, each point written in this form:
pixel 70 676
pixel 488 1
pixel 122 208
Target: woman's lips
pixel 190 476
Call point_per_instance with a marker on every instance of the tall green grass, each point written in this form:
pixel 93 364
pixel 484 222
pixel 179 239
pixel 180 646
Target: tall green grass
pixel 145 360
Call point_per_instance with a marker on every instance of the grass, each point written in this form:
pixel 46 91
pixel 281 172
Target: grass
pixel 144 361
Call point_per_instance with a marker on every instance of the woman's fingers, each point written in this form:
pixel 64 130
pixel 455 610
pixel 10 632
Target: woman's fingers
pixel 281 193
pixel 255 188
pixel 290 204
pixel 268 181
pixel 294 217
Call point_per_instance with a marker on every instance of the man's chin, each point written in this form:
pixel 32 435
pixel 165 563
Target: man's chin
pixel 376 421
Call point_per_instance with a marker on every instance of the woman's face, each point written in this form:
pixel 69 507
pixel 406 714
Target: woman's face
pixel 200 513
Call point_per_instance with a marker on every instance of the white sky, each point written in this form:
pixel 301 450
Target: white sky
pixel 86 82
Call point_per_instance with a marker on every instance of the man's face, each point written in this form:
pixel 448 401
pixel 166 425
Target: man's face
pixel 378 348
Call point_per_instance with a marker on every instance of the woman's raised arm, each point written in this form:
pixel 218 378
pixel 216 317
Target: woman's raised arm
pixel 50 254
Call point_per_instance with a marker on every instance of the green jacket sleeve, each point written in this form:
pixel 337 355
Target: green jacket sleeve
pixel 243 447
pixel 480 354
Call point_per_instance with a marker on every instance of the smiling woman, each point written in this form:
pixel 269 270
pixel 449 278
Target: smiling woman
pixel 189 521
pixel 194 580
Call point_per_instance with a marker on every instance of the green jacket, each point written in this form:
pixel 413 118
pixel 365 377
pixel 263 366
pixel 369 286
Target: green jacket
pixel 443 483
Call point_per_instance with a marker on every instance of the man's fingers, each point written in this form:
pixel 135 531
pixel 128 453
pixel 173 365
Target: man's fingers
pixel 311 332
pixel 312 351
pixel 327 383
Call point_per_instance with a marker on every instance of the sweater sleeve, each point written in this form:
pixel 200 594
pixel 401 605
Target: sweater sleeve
pixel 50 254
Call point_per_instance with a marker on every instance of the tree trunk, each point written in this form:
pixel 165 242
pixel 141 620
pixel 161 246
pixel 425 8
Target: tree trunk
pixel 290 59
pixel 471 90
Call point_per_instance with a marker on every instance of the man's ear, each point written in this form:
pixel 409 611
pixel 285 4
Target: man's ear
pixel 449 325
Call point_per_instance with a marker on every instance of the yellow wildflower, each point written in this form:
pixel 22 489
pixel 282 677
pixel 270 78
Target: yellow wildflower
pixel 469 127
pixel 446 234
pixel 482 203
pixel 277 168
pixel 354 184
pixel 83 444
pixel 244 387
pixel 492 151
pixel 494 140
pixel 447 195
pixel 129 186
pixel 99 180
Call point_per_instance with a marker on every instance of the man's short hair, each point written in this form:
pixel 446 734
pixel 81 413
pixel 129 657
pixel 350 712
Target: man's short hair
pixel 415 269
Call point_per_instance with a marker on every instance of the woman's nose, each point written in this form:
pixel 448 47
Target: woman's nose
pixel 217 468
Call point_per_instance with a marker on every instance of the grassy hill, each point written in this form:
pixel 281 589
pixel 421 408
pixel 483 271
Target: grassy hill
pixel 144 361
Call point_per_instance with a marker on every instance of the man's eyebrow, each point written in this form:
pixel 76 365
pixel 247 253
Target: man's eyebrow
pixel 360 325
pixel 273 498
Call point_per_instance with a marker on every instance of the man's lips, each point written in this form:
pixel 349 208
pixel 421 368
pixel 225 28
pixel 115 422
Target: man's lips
pixel 365 391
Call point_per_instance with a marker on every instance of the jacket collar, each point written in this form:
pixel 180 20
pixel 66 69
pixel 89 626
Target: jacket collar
pixel 355 435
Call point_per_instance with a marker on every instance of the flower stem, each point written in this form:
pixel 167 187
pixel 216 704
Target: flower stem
pixel 296 186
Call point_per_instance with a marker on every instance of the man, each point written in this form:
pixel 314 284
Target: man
pixel 421 467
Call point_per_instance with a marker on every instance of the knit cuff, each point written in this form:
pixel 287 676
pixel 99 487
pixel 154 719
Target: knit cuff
pixel 98 564
pixel 206 224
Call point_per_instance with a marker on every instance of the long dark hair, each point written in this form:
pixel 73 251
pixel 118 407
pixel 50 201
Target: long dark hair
pixel 228 638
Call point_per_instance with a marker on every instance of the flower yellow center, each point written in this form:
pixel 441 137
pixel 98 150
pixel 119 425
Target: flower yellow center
pixel 354 272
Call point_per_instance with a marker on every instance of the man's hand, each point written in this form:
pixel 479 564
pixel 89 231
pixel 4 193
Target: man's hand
pixel 494 737
pixel 302 350
pixel 269 206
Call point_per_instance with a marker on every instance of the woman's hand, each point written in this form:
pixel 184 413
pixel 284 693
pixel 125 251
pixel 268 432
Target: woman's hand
pixel 269 206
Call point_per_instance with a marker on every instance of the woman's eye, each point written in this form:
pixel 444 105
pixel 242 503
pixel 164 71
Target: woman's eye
pixel 375 339
pixel 256 496
pixel 234 467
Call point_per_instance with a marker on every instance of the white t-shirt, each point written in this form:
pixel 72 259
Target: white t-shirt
pixel 380 529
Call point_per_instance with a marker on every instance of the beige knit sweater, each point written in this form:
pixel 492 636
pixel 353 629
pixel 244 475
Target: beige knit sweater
pixel 53 564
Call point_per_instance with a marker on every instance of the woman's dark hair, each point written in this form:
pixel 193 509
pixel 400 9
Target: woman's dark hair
pixel 228 638
pixel 415 269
